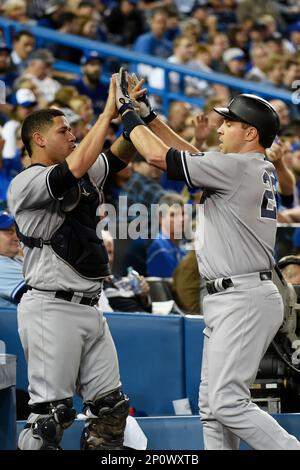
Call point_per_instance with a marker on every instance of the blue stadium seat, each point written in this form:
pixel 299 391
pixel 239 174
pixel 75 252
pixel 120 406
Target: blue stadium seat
pixel 193 344
pixel 151 355
pixel 150 350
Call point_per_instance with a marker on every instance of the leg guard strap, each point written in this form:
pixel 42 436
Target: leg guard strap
pixel 106 422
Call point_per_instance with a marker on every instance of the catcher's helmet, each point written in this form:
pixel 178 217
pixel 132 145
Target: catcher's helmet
pixel 252 109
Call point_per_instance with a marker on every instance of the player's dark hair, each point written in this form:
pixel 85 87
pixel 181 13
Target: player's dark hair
pixel 36 122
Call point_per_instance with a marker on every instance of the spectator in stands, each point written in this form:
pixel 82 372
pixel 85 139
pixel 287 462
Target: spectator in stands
pixel 282 111
pixel 277 44
pixel 173 25
pixel 7 74
pixel 183 54
pixel 12 284
pixel 83 106
pixel 294 34
pixel 69 23
pixel 154 42
pixel 235 61
pixel 143 187
pixel 186 284
pixel 89 83
pixel 257 9
pixel 257 34
pixel 178 113
pixel 52 12
pixel 40 72
pixel 219 45
pixel 258 58
pixel 15 10
pixel 238 38
pixel 125 23
pixel 86 9
pixel 119 291
pixel 23 45
pixel 25 103
pixel 91 29
pixel 274 69
pixel 165 251
pixel 214 121
pixel 207 20
pixel 64 95
pixel 150 5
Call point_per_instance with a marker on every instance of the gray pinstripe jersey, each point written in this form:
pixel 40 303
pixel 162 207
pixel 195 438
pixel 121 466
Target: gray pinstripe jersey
pixel 237 221
pixel 38 214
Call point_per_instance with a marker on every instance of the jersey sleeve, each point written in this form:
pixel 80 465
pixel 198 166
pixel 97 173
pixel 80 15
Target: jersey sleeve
pixel 209 170
pixel 30 189
pixel 106 163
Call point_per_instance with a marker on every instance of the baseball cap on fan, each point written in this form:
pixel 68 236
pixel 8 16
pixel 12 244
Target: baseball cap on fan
pixel 25 98
pixel 91 55
pixel 52 6
pixel 233 53
pixel 6 220
pixel 72 117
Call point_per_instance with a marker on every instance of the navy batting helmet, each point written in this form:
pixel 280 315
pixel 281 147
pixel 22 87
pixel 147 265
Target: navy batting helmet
pixel 257 112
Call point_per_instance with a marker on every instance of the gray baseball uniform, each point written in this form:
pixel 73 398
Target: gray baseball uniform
pixel 234 245
pixel 67 344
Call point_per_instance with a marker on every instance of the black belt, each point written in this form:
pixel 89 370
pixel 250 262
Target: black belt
pixel 213 287
pixel 68 296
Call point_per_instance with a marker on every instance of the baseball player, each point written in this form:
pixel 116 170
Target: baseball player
pixel 234 245
pixel 66 340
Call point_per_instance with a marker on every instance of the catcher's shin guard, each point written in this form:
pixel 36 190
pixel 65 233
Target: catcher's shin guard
pixel 106 421
pixel 46 425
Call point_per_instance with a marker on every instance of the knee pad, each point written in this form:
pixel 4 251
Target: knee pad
pixel 106 421
pixel 52 419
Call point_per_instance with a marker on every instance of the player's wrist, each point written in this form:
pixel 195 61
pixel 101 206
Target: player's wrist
pixel 130 120
pixel 150 117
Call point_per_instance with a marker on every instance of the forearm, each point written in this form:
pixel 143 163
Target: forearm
pixel 123 149
pixel 82 158
pixel 151 147
pixel 286 179
pixel 169 137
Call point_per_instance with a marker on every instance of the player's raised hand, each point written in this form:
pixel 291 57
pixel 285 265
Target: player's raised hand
pixel 110 106
pixel 275 152
pixel 201 129
pixel 123 100
pixel 140 95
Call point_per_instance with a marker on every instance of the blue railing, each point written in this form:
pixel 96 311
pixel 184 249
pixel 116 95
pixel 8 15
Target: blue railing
pixel 127 56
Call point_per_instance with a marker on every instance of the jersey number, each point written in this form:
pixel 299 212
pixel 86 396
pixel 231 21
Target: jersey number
pixel 268 205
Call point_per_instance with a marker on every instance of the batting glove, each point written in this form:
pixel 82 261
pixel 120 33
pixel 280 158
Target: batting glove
pixel 146 111
pixel 123 100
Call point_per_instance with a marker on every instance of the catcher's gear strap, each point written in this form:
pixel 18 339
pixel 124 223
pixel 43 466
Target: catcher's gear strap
pixel 31 242
pixel 53 419
pixel 106 422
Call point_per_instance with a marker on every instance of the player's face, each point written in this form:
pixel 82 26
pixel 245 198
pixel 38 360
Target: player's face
pixel 9 243
pixel 231 136
pixel 59 140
